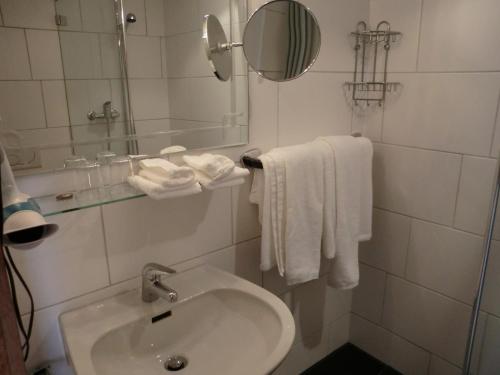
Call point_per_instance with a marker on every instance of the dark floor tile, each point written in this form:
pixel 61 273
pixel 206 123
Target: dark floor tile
pixel 389 371
pixel 347 360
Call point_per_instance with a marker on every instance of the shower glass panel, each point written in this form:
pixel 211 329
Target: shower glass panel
pixel 482 353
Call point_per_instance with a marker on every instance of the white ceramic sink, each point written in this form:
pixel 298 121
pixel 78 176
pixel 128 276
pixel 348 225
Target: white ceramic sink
pixel 221 324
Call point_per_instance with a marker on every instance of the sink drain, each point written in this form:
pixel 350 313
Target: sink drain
pixel 176 363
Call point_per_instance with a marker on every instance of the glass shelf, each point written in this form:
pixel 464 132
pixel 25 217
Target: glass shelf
pixel 51 205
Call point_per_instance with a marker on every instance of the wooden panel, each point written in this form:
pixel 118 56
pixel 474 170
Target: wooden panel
pixel 11 361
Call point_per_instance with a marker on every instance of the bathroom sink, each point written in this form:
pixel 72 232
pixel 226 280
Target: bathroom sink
pixel 221 324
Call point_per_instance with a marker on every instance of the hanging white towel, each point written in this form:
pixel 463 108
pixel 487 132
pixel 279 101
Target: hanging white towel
pixel 292 211
pixel 365 224
pixel 330 202
pixel 354 209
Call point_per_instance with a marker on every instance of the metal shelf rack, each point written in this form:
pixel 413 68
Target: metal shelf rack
pixel 363 87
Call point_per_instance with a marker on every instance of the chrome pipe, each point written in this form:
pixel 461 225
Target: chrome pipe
pixel 121 23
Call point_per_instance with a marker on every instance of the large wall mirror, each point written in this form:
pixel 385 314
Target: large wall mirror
pixel 75 87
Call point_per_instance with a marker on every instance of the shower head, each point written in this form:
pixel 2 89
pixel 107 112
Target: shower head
pixel 131 18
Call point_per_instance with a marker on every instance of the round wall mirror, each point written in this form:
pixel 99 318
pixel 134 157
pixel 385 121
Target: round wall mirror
pixel 281 42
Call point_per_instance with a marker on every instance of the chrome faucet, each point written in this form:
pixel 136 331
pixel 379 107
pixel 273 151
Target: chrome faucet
pixel 152 287
pixel 108 112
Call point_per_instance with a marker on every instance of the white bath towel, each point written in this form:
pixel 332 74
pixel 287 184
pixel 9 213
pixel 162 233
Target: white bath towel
pixel 330 202
pixel 292 211
pixel 236 177
pixel 168 173
pixel 214 166
pixel 353 158
pixel 157 192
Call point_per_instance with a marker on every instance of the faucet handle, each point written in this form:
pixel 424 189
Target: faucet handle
pixel 155 271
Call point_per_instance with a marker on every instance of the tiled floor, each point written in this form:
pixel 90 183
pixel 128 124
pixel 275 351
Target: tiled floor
pixel 350 360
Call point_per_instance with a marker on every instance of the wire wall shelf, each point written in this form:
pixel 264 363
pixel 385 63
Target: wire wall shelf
pixel 365 87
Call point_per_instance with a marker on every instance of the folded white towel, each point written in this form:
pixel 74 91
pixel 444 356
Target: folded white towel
pixel 354 209
pixel 172 150
pixel 214 166
pixel 171 175
pixel 236 177
pixel 157 192
pixel 169 184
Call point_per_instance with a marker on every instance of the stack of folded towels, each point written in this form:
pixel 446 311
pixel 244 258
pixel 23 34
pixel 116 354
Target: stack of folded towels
pixel 216 171
pixel 161 179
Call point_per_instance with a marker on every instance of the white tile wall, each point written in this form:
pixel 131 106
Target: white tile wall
pixel 388 247
pixel 311 106
pixel 171 231
pixel 444 260
pixel 474 194
pixel 14 62
pixel 155 14
pixel 57 273
pixel 144 57
pixel 21 105
pixel 45 54
pixel 416 182
pixel 337 18
pixel 56 107
pixel 447 44
pixel 426 318
pixel 149 98
pixel 81 55
pixel 37 14
pixel 388 347
pixel 436 111
pixel 404 17
pixel 368 297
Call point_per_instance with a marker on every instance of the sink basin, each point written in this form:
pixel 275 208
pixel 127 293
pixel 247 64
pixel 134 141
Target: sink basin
pixel 221 324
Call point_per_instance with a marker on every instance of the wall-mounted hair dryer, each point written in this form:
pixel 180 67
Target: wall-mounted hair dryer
pixel 24 227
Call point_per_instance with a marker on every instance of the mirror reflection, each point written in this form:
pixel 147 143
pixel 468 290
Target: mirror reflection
pixel 282 40
pixel 136 87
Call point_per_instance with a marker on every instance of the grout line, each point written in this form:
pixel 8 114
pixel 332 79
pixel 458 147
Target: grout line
pixel 106 253
pixel 44 104
pixel 407 248
pixel 449 226
pixel 420 148
pixel 495 127
pixel 420 22
pixel 395 334
pixel 457 194
pixel 28 53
